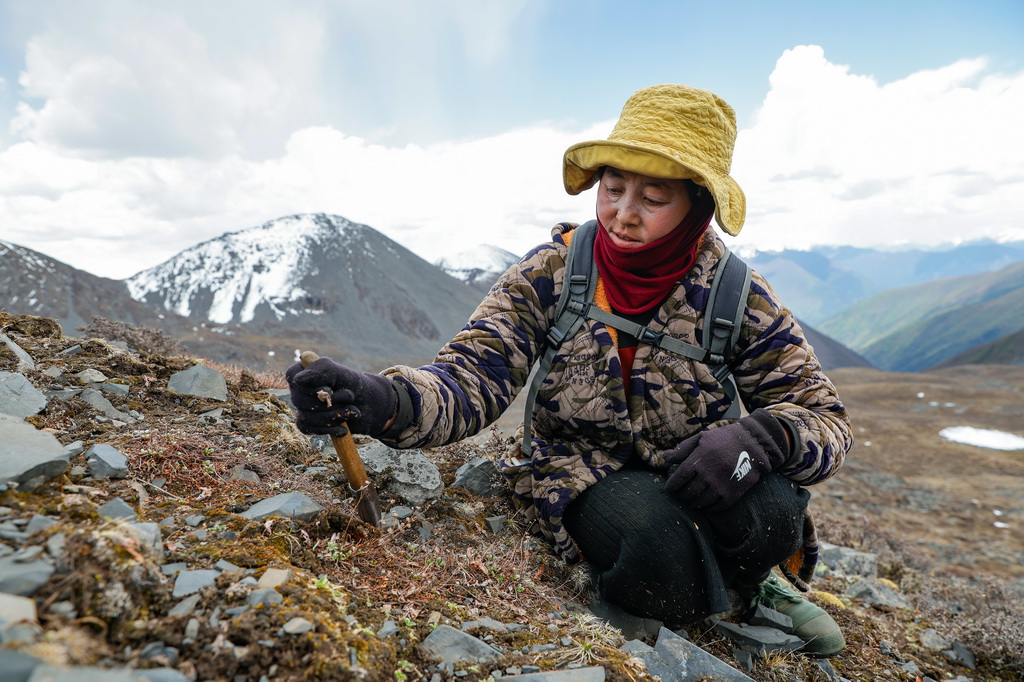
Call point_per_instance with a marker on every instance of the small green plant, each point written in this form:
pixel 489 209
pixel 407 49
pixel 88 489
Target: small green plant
pixel 400 672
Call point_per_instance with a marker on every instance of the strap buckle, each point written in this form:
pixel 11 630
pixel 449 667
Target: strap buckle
pixel 555 337
pixel 649 336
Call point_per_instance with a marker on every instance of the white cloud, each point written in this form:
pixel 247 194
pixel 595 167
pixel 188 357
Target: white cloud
pixel 832 157
pixel 120 78
pixel 133 79
pixel 504 190
pixel 836 157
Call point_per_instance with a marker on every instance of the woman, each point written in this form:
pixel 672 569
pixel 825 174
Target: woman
pixel 637 471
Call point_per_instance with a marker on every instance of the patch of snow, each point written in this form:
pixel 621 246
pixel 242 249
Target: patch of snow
pixel 997 512
pixel 983 438
pixel 484 257
pixel 241 270
pixel 920 395
pixel 1000 524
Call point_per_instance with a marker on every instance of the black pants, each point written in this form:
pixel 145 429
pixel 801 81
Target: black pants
pixel 657 558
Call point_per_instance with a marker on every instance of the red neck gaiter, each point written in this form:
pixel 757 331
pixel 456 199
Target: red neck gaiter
pixel 638 279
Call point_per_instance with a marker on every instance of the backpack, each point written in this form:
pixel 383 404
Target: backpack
pixel 726 303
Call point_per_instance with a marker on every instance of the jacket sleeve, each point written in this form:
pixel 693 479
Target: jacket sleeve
pixel 777 370
pixel 478 374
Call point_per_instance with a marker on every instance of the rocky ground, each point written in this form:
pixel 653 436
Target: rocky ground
pixel 165 522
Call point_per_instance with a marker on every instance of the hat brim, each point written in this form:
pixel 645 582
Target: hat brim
pixel 582 161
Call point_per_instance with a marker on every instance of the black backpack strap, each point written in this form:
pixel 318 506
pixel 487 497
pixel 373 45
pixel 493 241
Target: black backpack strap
pixel 647 335
pixel 578 284
pixel 722 319
pixel 723 316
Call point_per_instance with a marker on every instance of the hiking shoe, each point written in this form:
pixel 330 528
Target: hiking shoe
pixel 811 623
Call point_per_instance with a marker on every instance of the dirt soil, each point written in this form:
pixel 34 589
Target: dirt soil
pixel 925 505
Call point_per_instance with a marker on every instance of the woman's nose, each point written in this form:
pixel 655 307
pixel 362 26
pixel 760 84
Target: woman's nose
pixel 629 213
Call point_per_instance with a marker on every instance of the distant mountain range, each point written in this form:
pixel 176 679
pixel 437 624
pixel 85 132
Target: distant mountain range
pixel 819 283
pixel 916 327
pixel 319 281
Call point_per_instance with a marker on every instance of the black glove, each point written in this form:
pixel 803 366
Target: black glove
pixel 365 401
pixel 714 468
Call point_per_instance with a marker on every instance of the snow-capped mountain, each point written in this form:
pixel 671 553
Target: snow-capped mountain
pixel 478 267
pixel 323 278
pixel 36 284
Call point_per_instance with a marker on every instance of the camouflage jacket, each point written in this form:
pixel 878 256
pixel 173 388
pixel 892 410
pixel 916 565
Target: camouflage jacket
pixel 584 428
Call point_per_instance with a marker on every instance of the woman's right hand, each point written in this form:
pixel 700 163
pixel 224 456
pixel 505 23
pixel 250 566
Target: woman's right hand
pixel 328 395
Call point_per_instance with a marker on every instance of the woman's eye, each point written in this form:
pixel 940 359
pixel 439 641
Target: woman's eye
pixel 655 201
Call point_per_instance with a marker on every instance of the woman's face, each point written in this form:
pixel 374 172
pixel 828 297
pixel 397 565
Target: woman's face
pixel 638 209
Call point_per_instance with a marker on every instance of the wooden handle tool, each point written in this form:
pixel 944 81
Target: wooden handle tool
pixel 367 502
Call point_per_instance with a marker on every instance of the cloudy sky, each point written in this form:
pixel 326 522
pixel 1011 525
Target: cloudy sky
pixel 132 129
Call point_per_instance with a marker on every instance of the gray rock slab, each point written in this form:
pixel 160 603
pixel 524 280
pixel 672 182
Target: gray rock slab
pixel 877 593
pixel 91 376
pixel 414 478
pixel 847 561
pixel 771 618
pixel 496 524
pixel 63 393
pixel 117 508
pixel 52 673
pixel 28 457
pixel 965 655
pixel 149 537
pixel 39 522
pixel 930 639
pixel 25 361
pixel 76 448
pixel 114 389
pixel 16 666
pixel 14 609
pixel 480 476
pixel 185 607
pixel 96 400
pixel 592 674
pixel 105 461
pixel 759 637
pixel 176 567
pixel 388 629
pixel 190 582
pixel 485 622
pixel 18 397
pixel 632 627
pixel 266 596
pixel 689 662
pixel 294 505
pixel 297 626
pixel 240 473
pixel 199 381
pixel 23 577
pixel 160 675
pixel 448 645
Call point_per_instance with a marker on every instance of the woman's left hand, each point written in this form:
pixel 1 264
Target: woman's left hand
pixel 713 469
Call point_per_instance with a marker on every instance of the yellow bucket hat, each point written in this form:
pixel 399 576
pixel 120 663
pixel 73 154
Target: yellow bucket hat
pixel 668 131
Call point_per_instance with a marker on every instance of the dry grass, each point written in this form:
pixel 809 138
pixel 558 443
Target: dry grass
pixel 443 566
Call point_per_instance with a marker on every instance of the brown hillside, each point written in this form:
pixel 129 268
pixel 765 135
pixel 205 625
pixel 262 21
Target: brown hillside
pixel 908 496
